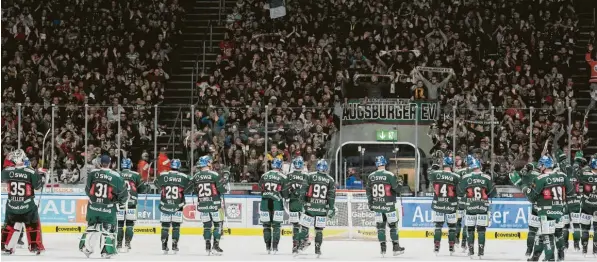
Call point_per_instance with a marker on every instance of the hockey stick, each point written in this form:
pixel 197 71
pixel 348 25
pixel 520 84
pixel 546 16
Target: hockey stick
pixel 146 191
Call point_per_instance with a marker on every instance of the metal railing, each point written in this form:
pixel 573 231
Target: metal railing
pixel 195 75
pixel 172 139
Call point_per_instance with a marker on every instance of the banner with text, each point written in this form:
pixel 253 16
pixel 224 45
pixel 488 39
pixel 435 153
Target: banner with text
pixel 243 212
pixel 389 111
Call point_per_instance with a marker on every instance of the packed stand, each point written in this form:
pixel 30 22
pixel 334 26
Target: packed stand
pixel 506 54
pixel 512 56
pixel 113 56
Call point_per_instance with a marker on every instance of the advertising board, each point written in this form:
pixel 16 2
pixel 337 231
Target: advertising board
pixel 66 214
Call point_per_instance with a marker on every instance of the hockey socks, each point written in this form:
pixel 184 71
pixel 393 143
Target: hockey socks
pixel 165 235
pixel 275 236
pixel 267 236
pixel 531 240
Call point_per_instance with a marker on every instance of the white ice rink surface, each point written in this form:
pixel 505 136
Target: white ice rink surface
pixel 63 247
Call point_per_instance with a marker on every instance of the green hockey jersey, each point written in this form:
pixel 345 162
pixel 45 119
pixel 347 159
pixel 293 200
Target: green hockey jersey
pixel 445 191
pixel 588 189
pixel 106 190
pixel 319 194
pixel 133 183
pixel 549 192
pixel 461 200
pixel 273 185
pixel 476 188
pixel 295 182
pixel 21 183
pixel 209 187
pixel 573 202
pixel 172 185
pixel 382 190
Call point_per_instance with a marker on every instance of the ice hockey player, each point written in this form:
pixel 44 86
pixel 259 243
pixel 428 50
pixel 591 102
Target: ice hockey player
pixel 527 175
pixel 27 164
pixel 21 211
pixel 588 215
pixel 127 214
pixel 548 191
pixel 172 185
pixel 445 202
pixel 382 189
pixel 274 189
pixel 210 190
pixel 477 188
pixel 296 181
pixel 460 169
pixel 106 190
pixel 319 198
pixel 572 215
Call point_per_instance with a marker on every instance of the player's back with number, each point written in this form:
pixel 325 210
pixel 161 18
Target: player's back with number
pixel 172 185
pixel 445 191
pixel 476 188
pixel 273 184
pixel 551 190
pixel 209 187
pixel 588 189
pixel 319 191
pixel 133 183
pixel 21 183
pixel 382 188
pixel 105 188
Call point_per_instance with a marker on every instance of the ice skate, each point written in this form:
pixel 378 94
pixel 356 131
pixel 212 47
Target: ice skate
pixel 436 247
pixel 383 248
pixel 318 249
pixel 451 248
pixel 208 247
pixel 529 252
pixel 216 250
pixel 268 247
pixel 463 246
pixel 106 255
pixel 481 252
pixel 471 251
pixel 165 248
pixel 175 246
pixel 295 248
pixel 576 246
pixel 398 250
pixel 6 251
pixel 35 249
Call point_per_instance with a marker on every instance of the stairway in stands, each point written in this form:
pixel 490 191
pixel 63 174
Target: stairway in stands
pixel 196 29
pixel 581 71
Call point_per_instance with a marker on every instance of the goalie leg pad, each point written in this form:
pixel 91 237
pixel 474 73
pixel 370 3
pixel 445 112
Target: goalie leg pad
pixel 90 238
pixel 34 237
pixel 10 235
pixel 108 243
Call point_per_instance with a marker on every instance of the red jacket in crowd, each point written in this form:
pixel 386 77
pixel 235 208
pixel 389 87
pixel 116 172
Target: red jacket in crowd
pixel 163 163
pixel 144 169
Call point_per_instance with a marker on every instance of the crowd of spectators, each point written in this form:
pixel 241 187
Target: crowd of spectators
pixel 114 56
pixel 509 55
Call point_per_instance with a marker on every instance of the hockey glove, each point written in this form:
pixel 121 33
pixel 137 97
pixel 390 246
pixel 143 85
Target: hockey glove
pixel 331 212
pixel 515 178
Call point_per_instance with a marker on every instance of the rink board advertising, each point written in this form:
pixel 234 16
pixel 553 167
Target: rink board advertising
pixel 66 214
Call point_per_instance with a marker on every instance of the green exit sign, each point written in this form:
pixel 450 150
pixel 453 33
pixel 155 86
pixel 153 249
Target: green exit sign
pixel 386 135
